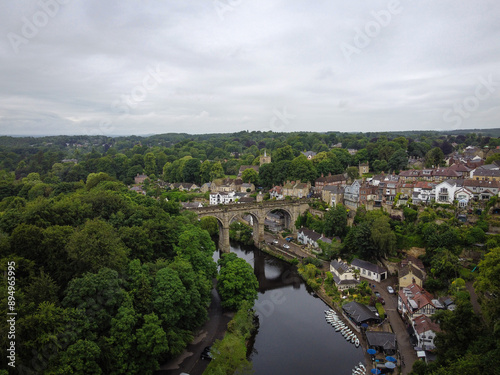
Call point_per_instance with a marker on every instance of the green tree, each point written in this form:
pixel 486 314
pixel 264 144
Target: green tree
pixel 398 160
pixel 488 286
pixel 191 171
pixel 302 169
pixel 336 221
pixel 236 283
pixel 80 358
pixel 205 169
pixel 216 171
pixel 380 166
pixel 352 173
pixel 137 240
pixel 434 157
pixel 169 296
pixel 250 175
pixel 210 224
pixel 152 342
pixel 150 164
pixel 98 295
pixel 383 237
pixel 458 327
pixel 95 246
pixel 93 179
pixel 283 153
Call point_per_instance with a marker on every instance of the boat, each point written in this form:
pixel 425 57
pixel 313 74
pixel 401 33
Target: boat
pixel 356 342
pixel 353 338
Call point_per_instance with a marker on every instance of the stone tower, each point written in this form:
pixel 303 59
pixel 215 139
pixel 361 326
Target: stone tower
pixel 264 159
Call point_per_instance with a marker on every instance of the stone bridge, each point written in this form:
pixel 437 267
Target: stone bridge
pixel 225 214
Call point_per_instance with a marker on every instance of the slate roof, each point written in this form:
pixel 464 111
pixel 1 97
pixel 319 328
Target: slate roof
pixel 246 200
pixel 336 189
pixel 331 178
pixel 486 173
pixel 482 184
pixel 446 172
pixel 359 312
pixel 414 270
pixel 352 282
pixel 309 153
pixel 386 340
pixel 310 234
pixel 368 266
pixel 340 267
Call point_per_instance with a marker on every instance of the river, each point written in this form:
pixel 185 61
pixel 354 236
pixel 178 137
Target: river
pixel 293 336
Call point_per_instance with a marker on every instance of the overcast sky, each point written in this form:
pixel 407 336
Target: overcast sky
pixel 142 67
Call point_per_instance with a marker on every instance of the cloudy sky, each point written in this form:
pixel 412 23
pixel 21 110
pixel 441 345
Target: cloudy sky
pixel 121 67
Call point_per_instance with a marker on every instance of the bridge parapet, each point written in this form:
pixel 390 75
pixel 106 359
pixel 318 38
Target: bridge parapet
pixel 225 213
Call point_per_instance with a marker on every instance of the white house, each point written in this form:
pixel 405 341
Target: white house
pixel 222 198
pixel 425 331
pixel 424 191
pixel 343 275
pixel 369 270
pixel 277 193
pixel 310 237
pixel 463 196
pixel 445 191
pixel 351 195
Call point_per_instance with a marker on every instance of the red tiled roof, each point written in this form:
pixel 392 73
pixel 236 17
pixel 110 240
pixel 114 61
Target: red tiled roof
pixel 423 324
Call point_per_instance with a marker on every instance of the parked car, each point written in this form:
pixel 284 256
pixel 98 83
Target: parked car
pixel 205 354
pixel 286 246
pixel 390 290
pixel 276 242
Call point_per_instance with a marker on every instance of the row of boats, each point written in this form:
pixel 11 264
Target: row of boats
pixel 333 319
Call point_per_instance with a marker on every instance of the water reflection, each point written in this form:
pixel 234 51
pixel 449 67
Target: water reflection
pixel 293 336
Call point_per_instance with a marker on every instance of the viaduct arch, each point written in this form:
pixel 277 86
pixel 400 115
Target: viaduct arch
pixel 225 214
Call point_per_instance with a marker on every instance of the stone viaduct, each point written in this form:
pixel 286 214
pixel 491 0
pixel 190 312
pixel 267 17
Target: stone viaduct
pixel 225 214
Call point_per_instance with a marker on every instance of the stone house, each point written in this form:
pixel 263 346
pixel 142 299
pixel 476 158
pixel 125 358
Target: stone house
pixel 332 194
pixel 140 178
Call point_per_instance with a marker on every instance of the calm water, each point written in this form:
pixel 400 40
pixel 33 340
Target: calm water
pixel 293 337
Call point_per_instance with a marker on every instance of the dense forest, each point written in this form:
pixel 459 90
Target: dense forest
pixel 202 158
pixel 108 281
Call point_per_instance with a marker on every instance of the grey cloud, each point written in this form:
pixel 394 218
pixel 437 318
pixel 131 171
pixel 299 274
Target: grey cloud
pixel 229 73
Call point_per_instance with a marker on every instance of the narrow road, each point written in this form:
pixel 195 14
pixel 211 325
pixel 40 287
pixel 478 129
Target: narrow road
pixel 189 361
pixel 469 285
pixel 294 248
pixel 405 347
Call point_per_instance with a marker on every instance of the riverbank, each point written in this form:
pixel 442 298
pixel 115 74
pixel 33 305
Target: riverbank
pixel 215 327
